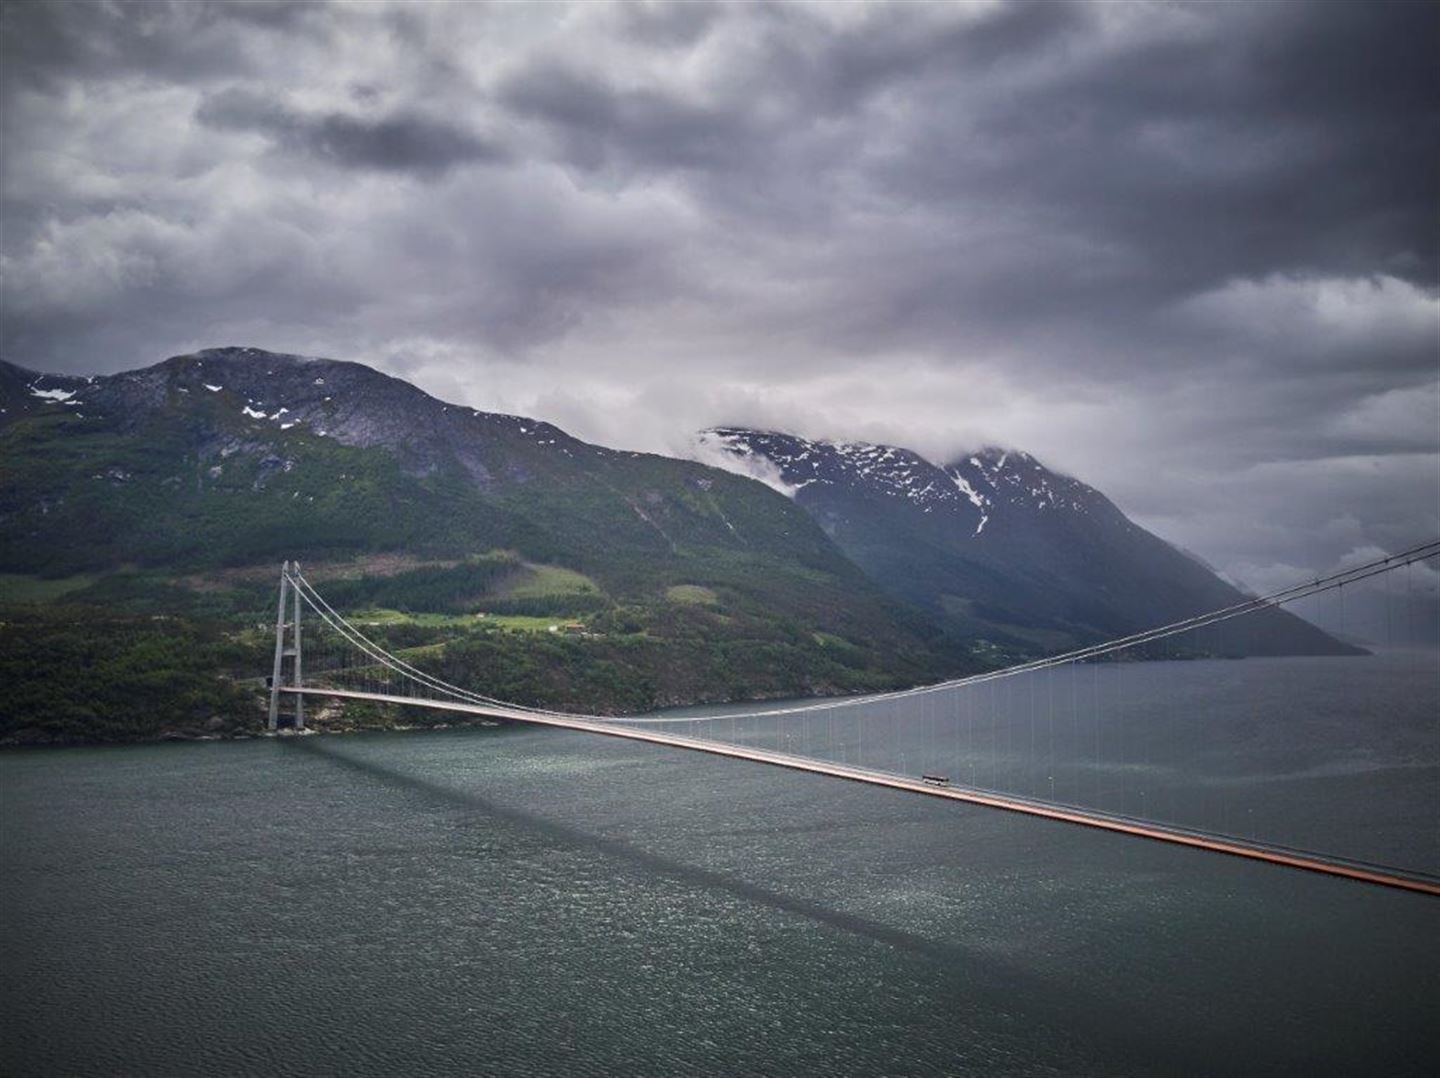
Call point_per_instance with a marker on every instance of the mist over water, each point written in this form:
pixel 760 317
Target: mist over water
pixel 519 901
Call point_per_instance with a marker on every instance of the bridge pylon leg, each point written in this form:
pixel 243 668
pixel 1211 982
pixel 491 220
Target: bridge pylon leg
pixel 275 672
pixel 283 652
pixel 295 669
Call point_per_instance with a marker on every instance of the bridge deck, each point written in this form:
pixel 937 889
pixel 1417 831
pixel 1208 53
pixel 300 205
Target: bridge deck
pixel 1236 847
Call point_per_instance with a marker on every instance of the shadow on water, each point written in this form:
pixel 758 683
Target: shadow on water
pixel 1064 1009
pixel 664 866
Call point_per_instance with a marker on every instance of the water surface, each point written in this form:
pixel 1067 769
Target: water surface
pixel 517 901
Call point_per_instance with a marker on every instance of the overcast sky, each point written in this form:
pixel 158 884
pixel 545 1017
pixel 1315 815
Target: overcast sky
pixel 1188 253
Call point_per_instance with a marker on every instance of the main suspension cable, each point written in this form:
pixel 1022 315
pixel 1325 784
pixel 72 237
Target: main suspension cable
pixel 1275 599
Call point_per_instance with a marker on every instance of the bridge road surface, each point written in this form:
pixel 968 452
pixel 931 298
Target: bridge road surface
pixel 1063 813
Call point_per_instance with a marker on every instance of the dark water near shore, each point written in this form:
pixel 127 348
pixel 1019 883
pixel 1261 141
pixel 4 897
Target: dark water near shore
pixel 513 901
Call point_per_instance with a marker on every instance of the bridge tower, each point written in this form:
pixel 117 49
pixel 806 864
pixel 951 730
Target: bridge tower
pixel 287 650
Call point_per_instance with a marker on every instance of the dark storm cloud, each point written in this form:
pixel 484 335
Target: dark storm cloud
pixel 1289 139
pixel 770 100
pixel 1298 138
pixel 1186 250
pixel 667 24
pixel 47 43
pixel 402 142
pixel 1277 138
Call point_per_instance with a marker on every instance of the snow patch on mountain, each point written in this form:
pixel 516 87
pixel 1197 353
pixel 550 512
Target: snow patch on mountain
pixel 1021 481
pixel 974 490
pixel 889 471
pixel 54 395
pixel 720 449
pixel 978 500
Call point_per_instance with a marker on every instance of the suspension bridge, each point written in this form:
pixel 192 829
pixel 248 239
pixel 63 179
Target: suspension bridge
pixel 944 760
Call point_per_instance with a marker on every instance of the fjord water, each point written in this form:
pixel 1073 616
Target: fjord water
pixel 519 901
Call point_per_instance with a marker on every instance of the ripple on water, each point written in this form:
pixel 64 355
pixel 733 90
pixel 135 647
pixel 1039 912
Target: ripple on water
pixel 537 903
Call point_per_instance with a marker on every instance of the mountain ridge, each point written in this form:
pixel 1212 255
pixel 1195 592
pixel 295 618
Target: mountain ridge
pixel 992 545
pixel 695 584
pixel 995 542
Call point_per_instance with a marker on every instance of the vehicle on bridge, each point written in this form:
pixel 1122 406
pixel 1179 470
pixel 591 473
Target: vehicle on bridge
pixel 936 780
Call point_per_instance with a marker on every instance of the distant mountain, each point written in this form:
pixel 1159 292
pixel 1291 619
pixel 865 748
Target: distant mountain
pixel 236 457
pixel 998 544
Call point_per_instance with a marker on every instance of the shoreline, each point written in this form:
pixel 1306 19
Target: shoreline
pixel 181 737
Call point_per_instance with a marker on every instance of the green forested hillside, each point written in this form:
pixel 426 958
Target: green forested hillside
pixel 161 495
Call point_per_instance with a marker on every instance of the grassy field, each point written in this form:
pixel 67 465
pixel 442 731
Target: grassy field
pixel 23 588
pixel 526 623
pixel 518 622
pixel 691 593
pixel 544 581
pixel 383 616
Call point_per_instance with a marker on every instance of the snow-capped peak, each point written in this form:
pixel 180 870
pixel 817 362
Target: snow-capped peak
pixel 726 449
pixel 1022 481
pixel 791 464
pixel 973 489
